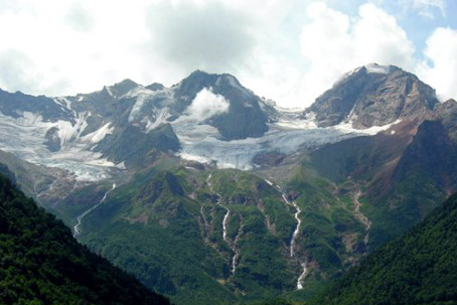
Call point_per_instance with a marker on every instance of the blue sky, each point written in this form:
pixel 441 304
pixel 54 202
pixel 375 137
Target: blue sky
pixel 290 51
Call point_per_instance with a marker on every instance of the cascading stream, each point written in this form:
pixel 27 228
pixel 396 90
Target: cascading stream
pixel 294 234
pixel 232 245
pixel 297 228
pixel 361 217
pixel 79 219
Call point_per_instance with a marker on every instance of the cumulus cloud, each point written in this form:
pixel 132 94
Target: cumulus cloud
pixel 75 46
pixel 333 43
pixel 206 105
pixel 440 71
pixel 287 50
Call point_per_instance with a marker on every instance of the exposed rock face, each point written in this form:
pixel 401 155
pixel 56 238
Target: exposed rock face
pixel 135 147
pixel 374 96
pixel 247 115
pixel 270 158
pixel 15 104
pixel 52 139
pixel 447 114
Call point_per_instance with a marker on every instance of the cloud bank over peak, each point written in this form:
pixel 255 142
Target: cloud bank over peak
pixel 286 50
pixel 333 43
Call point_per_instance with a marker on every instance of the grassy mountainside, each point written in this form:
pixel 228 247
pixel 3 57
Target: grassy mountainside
pixel 402 177
pixel 41 263
pixel 166 227
pixel 417 268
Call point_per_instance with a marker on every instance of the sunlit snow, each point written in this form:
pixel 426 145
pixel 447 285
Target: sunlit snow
pixel 202 142
pixel 290 133
pixel 24 137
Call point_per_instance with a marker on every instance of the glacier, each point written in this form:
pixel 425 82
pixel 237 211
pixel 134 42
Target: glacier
pixel 288 135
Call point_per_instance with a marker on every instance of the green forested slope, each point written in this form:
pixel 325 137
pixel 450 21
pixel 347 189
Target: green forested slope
pixel 417 268
pixel 40 262
pixel 166 227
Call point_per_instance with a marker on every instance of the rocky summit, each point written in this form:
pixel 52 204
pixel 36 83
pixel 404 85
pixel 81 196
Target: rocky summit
pixel 374 95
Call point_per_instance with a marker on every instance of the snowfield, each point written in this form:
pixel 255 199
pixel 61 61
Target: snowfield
pixel 292 131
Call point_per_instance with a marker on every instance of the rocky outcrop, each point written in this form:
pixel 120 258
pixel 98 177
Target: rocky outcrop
pixel 17 104
pixel 374 95
pixel 447 114
pixel 135 147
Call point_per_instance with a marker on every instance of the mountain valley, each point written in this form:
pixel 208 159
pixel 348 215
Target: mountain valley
pixel 209 194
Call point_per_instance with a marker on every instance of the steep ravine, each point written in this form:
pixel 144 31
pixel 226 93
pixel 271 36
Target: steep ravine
pixel 361 217
pixel 232 245
pixel 79 219
pixel 294 234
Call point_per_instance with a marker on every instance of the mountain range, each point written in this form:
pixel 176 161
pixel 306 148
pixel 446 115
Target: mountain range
pixel 205 191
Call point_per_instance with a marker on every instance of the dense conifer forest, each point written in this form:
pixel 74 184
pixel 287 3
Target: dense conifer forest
pixel 41 263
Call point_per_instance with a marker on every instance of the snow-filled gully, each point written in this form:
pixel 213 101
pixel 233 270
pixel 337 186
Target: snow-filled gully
pixel 294 234
pixel 79 219
pixel 232 245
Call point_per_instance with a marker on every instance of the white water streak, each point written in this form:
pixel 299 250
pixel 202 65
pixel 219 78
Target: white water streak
pixel 79 219
pixel 294 235
pixel 302 276
pixel 232 246
pixel 297 228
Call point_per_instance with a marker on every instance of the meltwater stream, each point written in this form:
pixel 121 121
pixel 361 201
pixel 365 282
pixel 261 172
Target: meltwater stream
pixel 295 234
pixel 294 237
pixel 232 245
pixel 79 219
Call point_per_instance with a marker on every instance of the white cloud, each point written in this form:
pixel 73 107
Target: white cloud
pixel 208 36
pixel 333 43
pixel 441 73
pixel 205 105
pixel 287 50
pixel 427 8
pixel 75 46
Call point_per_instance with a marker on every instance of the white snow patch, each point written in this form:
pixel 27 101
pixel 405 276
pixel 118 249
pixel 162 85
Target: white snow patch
pixel 108 89
pixel 24 138
pixel 121 165
pixel 141 94
pixel 99 134
pixel 194 158
pixel 347 127
pixel 291 119
pixel 234 83
pixel 161 118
